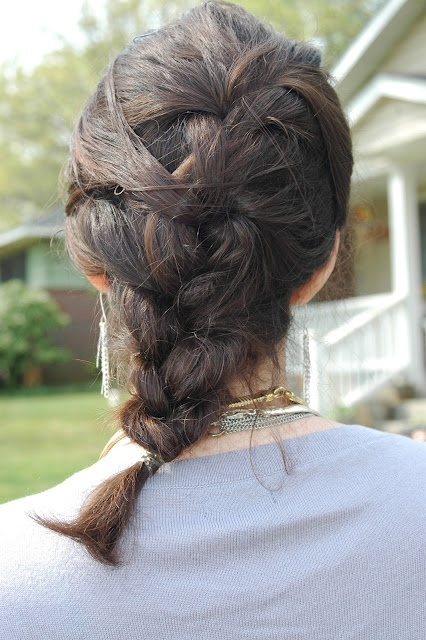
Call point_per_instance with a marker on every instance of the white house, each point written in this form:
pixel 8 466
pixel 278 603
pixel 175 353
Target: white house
pixel 378 335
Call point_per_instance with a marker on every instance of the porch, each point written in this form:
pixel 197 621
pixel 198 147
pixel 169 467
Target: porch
pixel 362 343
pixel 376 336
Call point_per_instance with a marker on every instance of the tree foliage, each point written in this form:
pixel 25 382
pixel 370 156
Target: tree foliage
pixel 38 107
pixel 28 320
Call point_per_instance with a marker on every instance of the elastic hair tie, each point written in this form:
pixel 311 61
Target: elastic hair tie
pixel 152 461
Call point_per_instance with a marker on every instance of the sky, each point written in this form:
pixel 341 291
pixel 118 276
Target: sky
pixel 29 28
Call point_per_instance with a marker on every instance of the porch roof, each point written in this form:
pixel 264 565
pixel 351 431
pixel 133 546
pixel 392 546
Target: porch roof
pixel 387 85
pixel 373 45
pixel 46 226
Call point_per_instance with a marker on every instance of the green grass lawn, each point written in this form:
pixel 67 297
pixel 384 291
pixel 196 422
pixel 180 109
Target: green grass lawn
pixel 47 436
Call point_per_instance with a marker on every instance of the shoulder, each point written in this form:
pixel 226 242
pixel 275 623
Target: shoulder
pixel 397 452
pixel 388 457
pixel 377 472
pixel 392 449
pixel 389 471
pixel 41 571
pixel 24 542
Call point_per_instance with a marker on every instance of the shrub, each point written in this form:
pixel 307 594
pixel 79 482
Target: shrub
pixel 28 320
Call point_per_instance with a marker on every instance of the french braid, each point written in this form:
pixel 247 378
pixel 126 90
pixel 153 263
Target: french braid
pixel 209 174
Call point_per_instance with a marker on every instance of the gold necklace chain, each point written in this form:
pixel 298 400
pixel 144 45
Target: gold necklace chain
pixel 240 415
pixel 277 393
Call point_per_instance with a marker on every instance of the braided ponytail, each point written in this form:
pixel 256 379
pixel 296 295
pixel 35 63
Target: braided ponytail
pixel 209 174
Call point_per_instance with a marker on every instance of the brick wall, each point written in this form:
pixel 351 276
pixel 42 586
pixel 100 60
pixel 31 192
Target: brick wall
pixel 79 336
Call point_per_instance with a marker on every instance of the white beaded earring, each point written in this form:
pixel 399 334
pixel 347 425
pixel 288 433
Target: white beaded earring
pixel 102 361
pixel 306 367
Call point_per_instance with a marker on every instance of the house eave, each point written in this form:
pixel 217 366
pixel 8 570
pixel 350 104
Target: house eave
pixel 373 44
pixel 24 236
pixel 385 85
pixel 43 228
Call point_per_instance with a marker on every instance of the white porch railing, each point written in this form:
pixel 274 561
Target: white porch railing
pixel 352 359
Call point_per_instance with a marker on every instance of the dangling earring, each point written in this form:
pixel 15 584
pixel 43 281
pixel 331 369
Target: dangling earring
pixel 306 367
pixel 102 354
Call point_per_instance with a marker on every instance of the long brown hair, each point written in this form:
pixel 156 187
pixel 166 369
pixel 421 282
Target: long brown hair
pixel 209 173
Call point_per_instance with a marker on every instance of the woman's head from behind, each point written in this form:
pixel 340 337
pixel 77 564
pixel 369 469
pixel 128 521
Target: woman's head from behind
pixel 209 176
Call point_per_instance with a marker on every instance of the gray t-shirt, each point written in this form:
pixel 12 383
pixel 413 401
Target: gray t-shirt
pixel 235 546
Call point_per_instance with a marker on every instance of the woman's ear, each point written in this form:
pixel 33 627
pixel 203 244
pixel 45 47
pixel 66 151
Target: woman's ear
pixel 307 291
pixel 100 282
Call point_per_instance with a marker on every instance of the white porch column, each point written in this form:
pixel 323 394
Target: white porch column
pixel 406 264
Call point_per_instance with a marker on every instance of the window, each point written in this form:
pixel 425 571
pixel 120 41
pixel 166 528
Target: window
pixel 13 267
